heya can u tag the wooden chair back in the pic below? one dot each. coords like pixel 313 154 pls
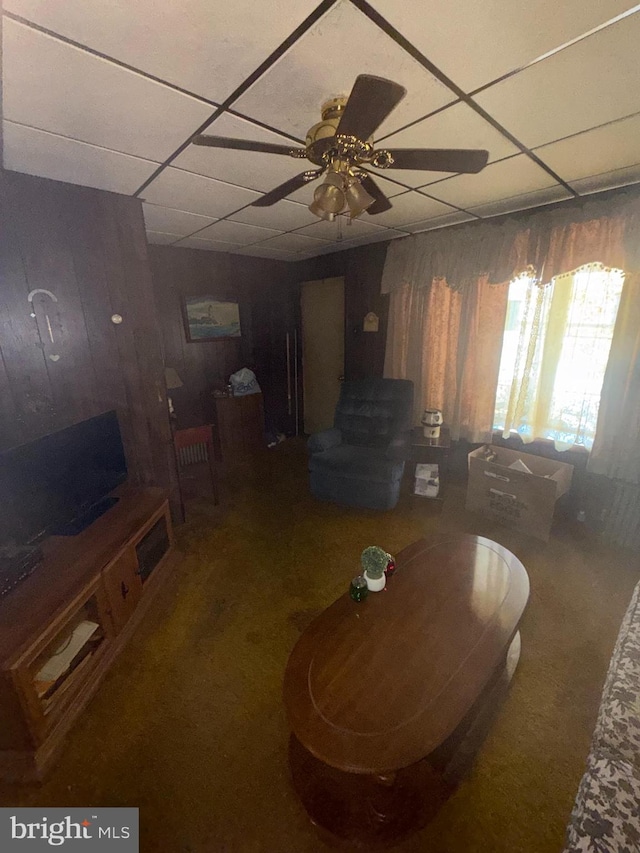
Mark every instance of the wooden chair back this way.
pixel 194 445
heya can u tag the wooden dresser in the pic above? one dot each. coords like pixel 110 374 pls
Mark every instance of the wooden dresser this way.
pixel 240 427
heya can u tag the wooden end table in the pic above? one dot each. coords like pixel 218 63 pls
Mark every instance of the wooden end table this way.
pixel 382 695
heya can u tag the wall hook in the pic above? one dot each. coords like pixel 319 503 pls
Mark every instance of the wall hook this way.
pixel 53 298
pixel 48 293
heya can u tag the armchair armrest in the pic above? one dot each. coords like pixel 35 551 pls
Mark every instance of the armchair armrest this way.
pixel 398 448
pixel 324 440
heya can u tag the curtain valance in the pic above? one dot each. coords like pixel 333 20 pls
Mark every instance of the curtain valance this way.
pixel 552 242
pixel 458 256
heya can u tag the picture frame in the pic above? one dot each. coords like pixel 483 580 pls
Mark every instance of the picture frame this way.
pixel 207 319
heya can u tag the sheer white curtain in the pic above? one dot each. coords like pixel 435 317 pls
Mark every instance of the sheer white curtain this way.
pixel 555 350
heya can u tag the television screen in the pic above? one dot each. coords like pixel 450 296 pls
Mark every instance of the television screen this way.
pixel 48 483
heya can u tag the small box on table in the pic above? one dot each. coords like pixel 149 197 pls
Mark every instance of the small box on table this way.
pixel 427 482
pixel 520 499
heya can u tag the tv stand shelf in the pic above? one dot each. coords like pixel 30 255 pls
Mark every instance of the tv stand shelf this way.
pixel 64 625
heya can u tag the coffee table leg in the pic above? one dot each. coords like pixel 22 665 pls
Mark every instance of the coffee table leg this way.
pixel 367 811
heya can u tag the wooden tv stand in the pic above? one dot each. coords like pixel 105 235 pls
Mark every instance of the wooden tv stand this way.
pixel 63 626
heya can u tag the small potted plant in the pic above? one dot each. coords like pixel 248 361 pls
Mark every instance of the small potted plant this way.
pixel 374 562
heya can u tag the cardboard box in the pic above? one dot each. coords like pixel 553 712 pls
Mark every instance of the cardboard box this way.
pixel 523 501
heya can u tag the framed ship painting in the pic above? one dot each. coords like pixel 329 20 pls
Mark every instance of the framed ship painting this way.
pixel 208 319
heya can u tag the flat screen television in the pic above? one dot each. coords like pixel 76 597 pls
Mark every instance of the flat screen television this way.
pixel 60 483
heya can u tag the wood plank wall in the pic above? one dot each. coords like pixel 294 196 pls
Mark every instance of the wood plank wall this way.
pixel 89 248
pixel 262 289
pixel 268 293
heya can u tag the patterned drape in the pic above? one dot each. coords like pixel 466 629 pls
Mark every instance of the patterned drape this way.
pixel 616 449
pixel 448 343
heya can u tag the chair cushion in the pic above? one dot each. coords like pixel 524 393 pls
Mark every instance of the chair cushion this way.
pixel 365 463
pixel 371 412
pixel 605 815
pixel 321 441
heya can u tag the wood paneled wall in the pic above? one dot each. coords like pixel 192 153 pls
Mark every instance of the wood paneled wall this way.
pixel 268 293
pixel 71 362
pixel 362 271
pixel 262 289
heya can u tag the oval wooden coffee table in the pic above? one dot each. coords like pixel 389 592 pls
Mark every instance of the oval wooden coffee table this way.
pixel 386 697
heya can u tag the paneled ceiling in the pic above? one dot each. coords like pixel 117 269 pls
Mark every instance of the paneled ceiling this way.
pixel 109 93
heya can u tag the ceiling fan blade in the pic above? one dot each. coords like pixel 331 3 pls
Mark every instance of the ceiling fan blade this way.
pixel 247 145
pixel 381 202
pixel 370 102
pixel 287 188
pixel 466 160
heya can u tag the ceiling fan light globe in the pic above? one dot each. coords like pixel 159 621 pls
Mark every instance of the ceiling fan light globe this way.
pixel 358 199
pixel 334 179
pixel 315 208
pixel 329 198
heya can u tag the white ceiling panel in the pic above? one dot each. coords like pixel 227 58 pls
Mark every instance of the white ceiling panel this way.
pixel 160 238
pixel 457 126
pixel 603 149
pixel 235 232
pixel 522 202
pixel 592 82
pixel 324 64
pixel 283 216
pixel 293 243
pixel 206 245
pixel 76 116
pixel 438 222
pixel 410 207
pixel 195 194
pixel 246 168
pixel 475 42
pixel 514 176
pixel 48 155
pixel 53 86
pixel 608 180
pixel 203 46
pixel 172 221
pixel 348 228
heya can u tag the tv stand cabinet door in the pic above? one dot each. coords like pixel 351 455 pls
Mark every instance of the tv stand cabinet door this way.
pixel 123 587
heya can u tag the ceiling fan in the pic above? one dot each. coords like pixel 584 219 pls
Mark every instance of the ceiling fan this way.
pixel 341 145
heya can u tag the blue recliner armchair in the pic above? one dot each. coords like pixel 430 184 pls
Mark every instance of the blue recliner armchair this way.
pixel 360 461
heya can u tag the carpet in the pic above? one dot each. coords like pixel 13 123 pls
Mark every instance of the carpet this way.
pixel 189 724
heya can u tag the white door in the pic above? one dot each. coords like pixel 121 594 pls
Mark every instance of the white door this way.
pixel 322 308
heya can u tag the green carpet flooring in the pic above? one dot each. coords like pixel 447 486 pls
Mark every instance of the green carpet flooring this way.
pixel 189 723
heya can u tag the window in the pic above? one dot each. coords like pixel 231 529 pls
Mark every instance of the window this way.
pixel 554 354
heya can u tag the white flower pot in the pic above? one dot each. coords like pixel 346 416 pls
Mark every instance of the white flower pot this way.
pixel 376 584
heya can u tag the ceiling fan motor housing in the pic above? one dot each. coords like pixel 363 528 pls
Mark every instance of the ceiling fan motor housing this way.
pixel 321 137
